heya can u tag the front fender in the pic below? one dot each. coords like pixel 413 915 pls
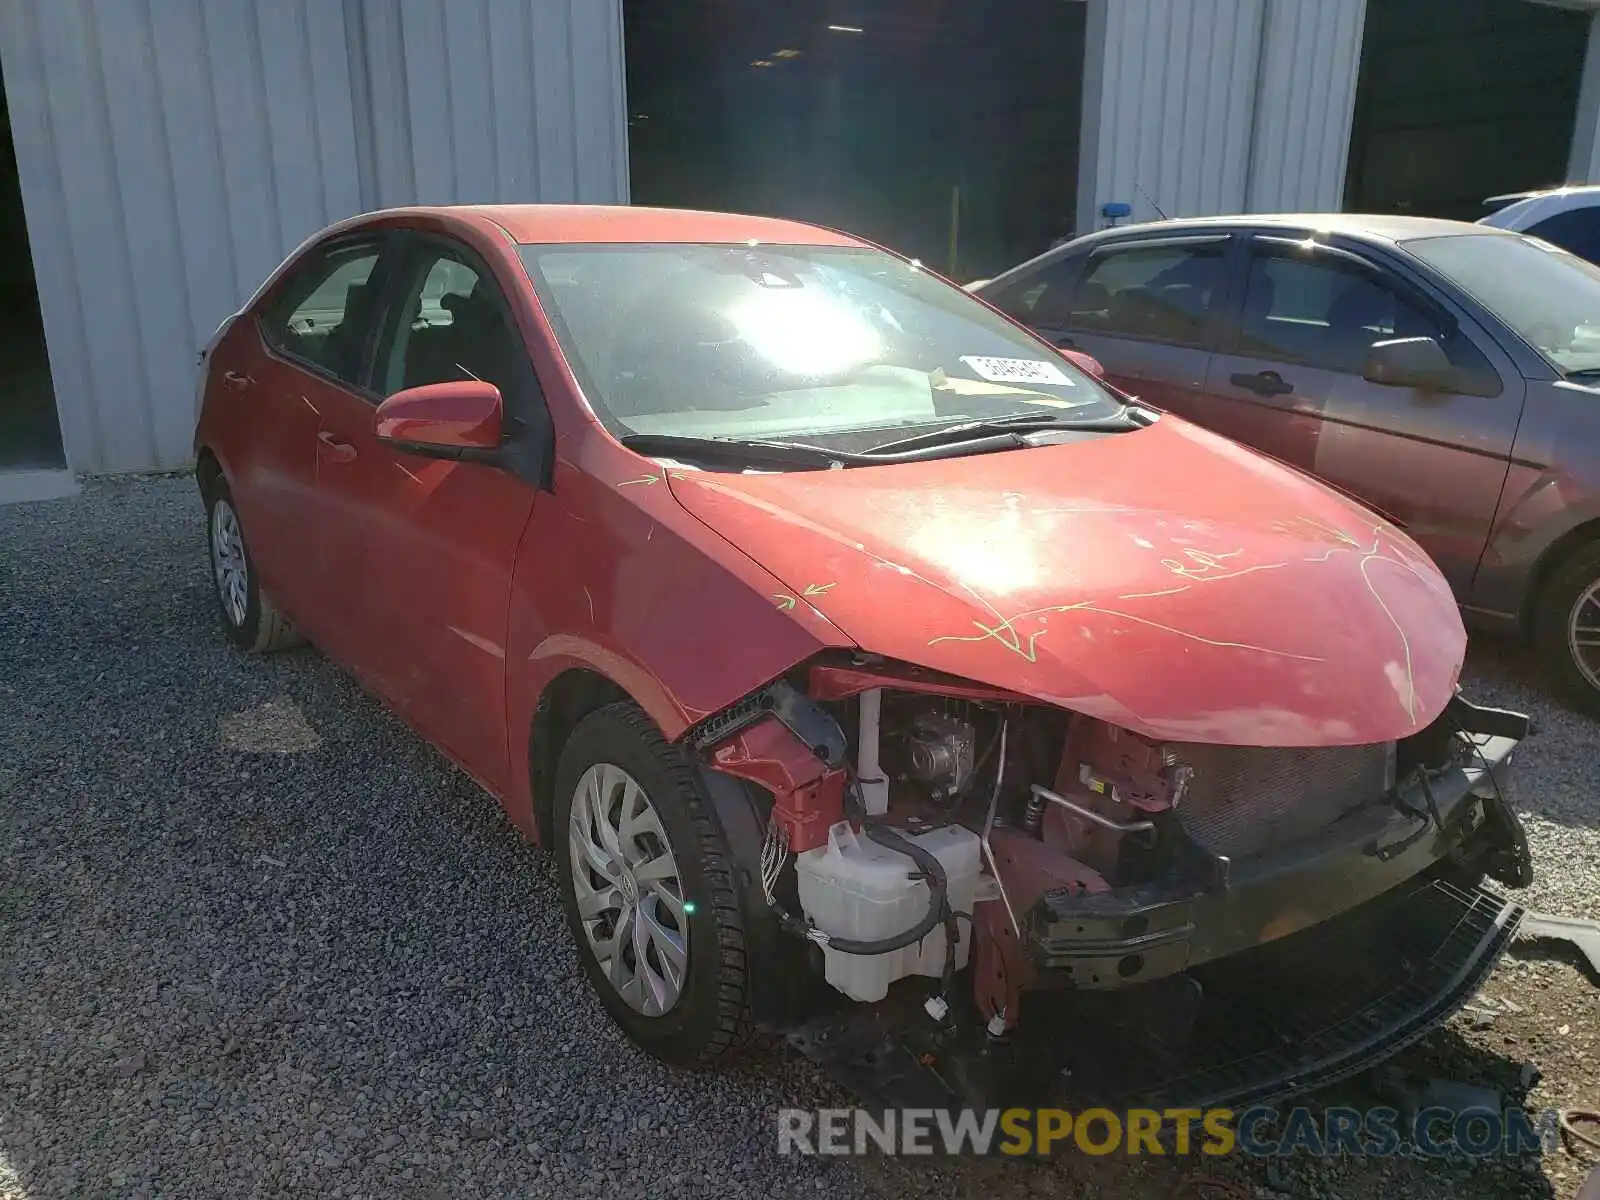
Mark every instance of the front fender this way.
pixel 615 578
pixel 1543 513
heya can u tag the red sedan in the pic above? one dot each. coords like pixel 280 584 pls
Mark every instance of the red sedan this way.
pixel 831 629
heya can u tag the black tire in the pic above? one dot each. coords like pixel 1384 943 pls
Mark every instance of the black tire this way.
pixel 711 1016
pixel 1558 603
pixel 261 627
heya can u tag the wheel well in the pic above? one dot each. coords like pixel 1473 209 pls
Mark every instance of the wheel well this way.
pixel 567 699
pixel 1563 548
pixel 207 470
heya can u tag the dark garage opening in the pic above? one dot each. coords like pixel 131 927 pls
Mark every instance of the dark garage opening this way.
pixel 1462 101
pixel 943 129
pixel 30 434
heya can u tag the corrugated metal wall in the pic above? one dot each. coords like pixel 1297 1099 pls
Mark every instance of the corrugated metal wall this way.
pixel 490 99
pixel 1216 106
pixel 1167 105
pixel 172 151
pixel 1583 164
pixel 1310 61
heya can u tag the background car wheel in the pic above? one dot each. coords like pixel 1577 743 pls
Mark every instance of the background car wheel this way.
pixel 1568 628
pixel 650 889
pixel 248 614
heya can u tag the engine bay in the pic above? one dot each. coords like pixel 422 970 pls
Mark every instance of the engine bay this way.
pixel 924 828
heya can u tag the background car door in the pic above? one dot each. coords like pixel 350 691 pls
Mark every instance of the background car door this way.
pixel 1289 381
pixel 306 355
pixel 428 545
pixel 1143 307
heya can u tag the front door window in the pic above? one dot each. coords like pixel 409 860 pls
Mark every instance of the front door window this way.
pixel 452 326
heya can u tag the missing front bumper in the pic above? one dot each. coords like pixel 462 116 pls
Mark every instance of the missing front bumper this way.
pixel 1134 935
pixel 1283 1019
pixel 1290 1016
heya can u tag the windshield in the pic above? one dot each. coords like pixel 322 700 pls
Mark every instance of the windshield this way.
pixel 833 345
pixel 1549 297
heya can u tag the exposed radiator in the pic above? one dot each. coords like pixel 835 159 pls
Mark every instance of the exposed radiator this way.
pixel 1246 799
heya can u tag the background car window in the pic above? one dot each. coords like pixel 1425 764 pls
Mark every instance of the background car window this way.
pixel 452 326
pixel 1042 297
pixel 1163 293
pixel 1327 313
pixel 324 312
pixel 1549 297
pixel 1577 230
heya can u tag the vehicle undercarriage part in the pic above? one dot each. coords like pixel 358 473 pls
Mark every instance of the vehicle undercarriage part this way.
pixel 1104 873
pixel 1285 1018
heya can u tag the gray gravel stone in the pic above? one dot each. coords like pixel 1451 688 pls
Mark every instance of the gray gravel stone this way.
pixel 337 966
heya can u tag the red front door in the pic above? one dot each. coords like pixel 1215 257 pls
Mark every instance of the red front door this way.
pixel 421 550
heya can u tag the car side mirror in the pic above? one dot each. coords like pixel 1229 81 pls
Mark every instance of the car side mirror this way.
pixel 1415 362
pixel 1087 363
pixel 460 420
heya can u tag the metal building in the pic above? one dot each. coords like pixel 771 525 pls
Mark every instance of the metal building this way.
pixel 170 152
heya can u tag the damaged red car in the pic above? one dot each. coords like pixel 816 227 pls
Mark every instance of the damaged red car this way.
pixel 872 672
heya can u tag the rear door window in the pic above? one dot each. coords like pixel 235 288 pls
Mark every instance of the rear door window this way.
pixel 1164 292
pixel 1043 297
pixel 322 312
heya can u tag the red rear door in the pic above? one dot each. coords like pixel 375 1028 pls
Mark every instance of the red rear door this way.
pixel 266 433
pixel 316 332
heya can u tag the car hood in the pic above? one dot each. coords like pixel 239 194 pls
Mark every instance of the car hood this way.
pixel 1168 581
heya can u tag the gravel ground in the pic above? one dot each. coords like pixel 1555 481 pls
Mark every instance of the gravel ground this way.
pixel 255 938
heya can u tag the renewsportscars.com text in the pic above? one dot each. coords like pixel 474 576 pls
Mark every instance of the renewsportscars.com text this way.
pixel 1258 1132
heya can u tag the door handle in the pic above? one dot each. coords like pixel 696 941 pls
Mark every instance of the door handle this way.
pixel 235 381
pixel 1262 383
pixel 335 449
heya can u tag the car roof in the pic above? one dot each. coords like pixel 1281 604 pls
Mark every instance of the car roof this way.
pixel 1566 189
pixel 1372 227
pixel 558 223
pixel 1530 208
pixel 1368 226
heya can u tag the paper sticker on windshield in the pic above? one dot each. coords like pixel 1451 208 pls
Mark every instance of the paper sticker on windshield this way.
pixel 1017 370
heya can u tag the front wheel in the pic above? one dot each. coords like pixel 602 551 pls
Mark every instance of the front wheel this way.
pixel 1568 628
pixel 250 618
pixel 650 889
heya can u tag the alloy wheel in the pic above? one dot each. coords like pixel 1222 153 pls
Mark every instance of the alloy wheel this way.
pixel 228 561
pixel 628 889
pixel 1583 634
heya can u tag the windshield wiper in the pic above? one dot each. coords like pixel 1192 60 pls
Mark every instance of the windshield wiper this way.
pixel 787 454
pixel 1015 425
pixel 1583 373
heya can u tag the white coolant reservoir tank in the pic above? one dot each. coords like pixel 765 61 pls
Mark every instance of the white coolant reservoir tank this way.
pixel 855 888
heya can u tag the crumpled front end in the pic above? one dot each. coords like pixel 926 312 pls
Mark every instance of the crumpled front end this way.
pixel 999 892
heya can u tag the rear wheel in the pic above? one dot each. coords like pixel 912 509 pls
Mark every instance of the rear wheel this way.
pixel 248 614
pixel 650 889
pixel 1568 628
